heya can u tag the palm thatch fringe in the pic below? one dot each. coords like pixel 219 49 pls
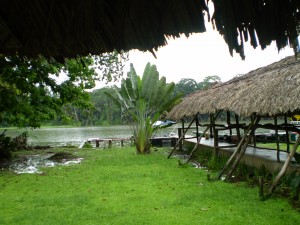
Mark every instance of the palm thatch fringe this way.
pixel 67 28
pixel 268 91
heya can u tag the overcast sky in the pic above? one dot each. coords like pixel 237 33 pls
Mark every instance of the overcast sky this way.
pixel 203 55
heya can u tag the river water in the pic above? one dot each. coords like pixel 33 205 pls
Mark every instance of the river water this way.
pixel 63 136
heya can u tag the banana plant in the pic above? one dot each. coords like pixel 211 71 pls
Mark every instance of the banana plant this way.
pixel 143 101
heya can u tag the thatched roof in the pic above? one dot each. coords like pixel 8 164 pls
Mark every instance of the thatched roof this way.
pixel 68 28
pixel 65 28
pixel 267 91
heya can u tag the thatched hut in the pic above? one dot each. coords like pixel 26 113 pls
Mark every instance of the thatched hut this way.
pixel 67 28
pixel 269 91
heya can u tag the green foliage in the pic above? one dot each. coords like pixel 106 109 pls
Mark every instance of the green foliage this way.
pixel 32 90
pixel 8 144
pixel 143 101
pixel 187 86
pixel 209 81
pixel 105 112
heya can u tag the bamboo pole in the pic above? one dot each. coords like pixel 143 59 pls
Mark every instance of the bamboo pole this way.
pixel 285 166
pixel 237 150
pixel 277 140
pixel 180 138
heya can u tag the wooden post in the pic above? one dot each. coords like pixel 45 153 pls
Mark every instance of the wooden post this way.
pixel 180 138
pixel 215 132
pixel 122 142
pixel 243 148
pixel 109 143
pixel 253 136
pixel 285 166
pixel 211 127
pixel 237 150
pixel 277 140
pixel 197 128
pixel 287 136
pixel 237 127
pixel 261 187
pixel 183 134
pixel 229 122
pixel 97 143
pixel 216 139
pixel 202 135
pixel 198 142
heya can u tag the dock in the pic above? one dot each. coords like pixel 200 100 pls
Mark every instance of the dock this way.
pixel 155 141
pixel 106 141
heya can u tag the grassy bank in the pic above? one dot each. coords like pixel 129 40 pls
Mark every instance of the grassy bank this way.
pixel 116 186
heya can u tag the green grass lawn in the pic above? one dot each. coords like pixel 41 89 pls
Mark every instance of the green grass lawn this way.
pixel 116 186
pixel 282 146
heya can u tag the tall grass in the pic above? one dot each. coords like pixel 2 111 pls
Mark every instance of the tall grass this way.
pixel 116 186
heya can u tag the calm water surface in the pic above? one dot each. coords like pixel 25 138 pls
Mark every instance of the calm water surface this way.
pixel 73 136
pixel 76 135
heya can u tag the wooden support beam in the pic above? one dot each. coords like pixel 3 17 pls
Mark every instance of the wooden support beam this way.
pixel 287 136
pixel 216 143
pixel 109 143
pixel 277 139
pixel 183 134
pixel 211 127
pixel 243 147
pixel 261 186
pixel 197 144
pixel 237 150
pixel 237 122
pixel 228 122
pixel 202 135
pixel 180 138
pixel 197 128
pixel 285 166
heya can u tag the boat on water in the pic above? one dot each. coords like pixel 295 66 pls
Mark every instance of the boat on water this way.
pixel 163 124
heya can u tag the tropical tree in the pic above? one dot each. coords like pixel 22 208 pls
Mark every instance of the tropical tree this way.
pixel 209 81
pixel 105 111
pixel 31 91
pixel 143 101
pixel 186 86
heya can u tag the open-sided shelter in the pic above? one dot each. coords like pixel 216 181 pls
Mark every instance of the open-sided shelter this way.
pixel 270 91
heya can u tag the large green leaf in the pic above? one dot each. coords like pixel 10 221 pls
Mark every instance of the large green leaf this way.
pixel 143 101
